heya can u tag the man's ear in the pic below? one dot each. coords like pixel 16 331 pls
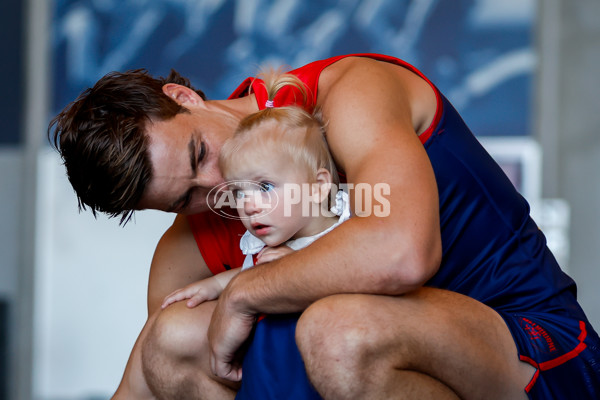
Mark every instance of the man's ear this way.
pixel 183 95
pixel 322 187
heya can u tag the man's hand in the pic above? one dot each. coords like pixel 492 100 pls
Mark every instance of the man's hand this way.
pixel 229 328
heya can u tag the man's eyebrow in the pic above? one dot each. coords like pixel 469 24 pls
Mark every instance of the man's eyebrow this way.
pixel 194 166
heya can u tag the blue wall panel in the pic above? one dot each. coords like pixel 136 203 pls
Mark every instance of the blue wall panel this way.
pixel 479 52
pixel 11 71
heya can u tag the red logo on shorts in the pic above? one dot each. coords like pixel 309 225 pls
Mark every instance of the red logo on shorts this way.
pixel 536 332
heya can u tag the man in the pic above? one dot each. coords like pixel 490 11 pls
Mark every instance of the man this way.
pixel 453 294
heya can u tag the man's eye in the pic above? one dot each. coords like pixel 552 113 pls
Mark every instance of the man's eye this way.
pixel 201 152
pixel 238 194
pixel 266 186
pixel 186 201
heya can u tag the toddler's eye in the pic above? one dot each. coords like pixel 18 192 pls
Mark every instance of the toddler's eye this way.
pixel 266 186
pixel 239 194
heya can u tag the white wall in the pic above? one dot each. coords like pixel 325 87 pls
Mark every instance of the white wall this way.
pixel 11 188
pixel 11 167
pixel 578 143
pixel 91 278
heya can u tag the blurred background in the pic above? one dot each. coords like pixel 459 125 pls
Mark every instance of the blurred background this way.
pixel 523 73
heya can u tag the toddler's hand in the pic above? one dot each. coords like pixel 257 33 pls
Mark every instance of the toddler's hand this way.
pixel 272 253
pixel 196 293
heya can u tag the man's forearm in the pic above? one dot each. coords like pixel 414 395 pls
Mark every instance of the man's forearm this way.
pixel 357 265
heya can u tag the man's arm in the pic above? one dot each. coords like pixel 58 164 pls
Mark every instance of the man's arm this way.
pixel 176 263
pixel 372 135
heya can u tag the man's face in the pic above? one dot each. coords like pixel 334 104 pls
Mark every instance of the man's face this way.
pixel 184 153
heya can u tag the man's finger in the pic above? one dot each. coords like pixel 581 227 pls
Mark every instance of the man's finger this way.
pixel 226 370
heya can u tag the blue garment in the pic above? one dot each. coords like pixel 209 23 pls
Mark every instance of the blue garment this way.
pixel 493 252
pixel 272 367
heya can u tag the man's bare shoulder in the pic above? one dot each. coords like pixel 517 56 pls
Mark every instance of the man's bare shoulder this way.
pixel 178 236
pixel 343 73
pixel 362 83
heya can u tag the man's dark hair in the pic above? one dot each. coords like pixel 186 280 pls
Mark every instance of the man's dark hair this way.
pixel 102 142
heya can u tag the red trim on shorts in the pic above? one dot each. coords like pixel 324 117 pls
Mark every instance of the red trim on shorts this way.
pixel 546 365
pixel 534 377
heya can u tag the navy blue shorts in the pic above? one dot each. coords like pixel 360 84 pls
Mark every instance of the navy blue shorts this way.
pixel 564 351
pixel 272 368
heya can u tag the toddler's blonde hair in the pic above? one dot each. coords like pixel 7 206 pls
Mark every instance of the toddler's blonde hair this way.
pixel 290 131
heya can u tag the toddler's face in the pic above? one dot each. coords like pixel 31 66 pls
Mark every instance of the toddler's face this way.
pixel 273 198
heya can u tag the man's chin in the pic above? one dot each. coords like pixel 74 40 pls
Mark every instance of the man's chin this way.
pixel 197 209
